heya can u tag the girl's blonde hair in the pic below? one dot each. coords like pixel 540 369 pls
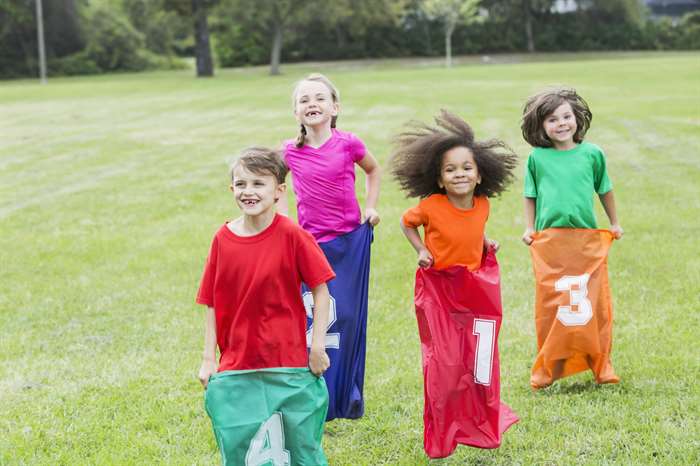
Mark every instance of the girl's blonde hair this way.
pixel 335 95
pixel 539 106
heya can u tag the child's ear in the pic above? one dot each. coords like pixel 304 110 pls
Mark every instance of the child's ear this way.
pixel 281 189
pixel 336 109
pixel 230 187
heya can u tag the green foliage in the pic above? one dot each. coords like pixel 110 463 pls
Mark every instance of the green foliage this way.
pixel 72 65
pixel 163 29
pixel 690 27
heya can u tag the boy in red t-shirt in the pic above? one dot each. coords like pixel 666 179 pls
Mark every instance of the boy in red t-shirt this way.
pixel 252 279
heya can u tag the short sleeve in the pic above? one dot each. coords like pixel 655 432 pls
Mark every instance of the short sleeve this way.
pixel 356 148
pixel 311 262
pixel 205 295
pixel 530 177
pixel 414 217
pixel 601 181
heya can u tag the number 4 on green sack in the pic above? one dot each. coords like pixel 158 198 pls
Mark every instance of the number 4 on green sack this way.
pixel 267 446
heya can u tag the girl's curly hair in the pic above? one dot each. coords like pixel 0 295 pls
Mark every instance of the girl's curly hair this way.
pixel 539 106
pixel 417 159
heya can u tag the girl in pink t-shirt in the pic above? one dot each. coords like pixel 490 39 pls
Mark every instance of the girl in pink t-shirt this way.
pixel 322 161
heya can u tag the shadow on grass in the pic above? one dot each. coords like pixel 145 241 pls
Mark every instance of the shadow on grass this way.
pixel 577 388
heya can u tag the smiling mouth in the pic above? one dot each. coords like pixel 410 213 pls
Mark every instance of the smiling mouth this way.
pixel 312 114
pixel 249 202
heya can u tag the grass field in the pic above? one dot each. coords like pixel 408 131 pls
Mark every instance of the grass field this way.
pixel 111 188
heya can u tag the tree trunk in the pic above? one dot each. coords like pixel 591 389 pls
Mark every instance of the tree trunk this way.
pixel 428 42
pixel 202 50
pixel 449 29
pixel 527 13
pixel 276 48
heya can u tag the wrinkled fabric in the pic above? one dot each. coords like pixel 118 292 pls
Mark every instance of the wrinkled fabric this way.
pixel 573 306
pixel 266 414
pixel 349 256
pixel 459 317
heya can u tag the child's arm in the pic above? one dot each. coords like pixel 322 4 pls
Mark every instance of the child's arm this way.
pixel 374 173
pixel 608 201
pixel 425 259
pixel 529 220
pixel 318 359
pixel 209 365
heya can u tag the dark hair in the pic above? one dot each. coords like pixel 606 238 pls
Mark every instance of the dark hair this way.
pixel 335 95
pixel 417 159
pixel 539 106
pixel 261 161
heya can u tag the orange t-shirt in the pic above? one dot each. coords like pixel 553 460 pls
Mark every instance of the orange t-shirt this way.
pixel 453 236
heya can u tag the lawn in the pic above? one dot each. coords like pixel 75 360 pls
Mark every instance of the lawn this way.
pixel 111 188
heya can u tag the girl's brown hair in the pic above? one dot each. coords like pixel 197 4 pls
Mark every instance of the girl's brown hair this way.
pixel 539 106
pixel 335 95
pixel 417 159
pixel 261 161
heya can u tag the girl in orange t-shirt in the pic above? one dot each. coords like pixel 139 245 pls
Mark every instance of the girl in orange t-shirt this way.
pixel 454 175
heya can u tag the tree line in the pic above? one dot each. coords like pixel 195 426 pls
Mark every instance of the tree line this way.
pixel 96 36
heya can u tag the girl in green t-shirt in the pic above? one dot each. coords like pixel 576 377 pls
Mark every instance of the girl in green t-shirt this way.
pixel 573 310
pixel 563 171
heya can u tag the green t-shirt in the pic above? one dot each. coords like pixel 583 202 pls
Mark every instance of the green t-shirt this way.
pixel 563 182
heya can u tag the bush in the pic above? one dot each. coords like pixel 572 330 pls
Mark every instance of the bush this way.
pixel 113 43
pixel 74 64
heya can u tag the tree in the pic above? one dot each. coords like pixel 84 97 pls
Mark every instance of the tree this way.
pixel 198 11
pixel 275 17
pixel 450 13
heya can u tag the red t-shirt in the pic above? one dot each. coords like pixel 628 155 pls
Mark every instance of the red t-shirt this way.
pixel 254 285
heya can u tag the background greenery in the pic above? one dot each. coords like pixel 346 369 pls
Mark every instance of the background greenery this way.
pixel 95 36
pixel 111 188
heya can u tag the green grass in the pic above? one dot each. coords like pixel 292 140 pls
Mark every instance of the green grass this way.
pixel 111 188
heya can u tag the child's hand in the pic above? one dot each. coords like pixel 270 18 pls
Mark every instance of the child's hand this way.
pixel 207 368
pixel 372 216
pixel 527 236
pixel 425 259
pixel 617 231
pixel 318 361
pixel 491 243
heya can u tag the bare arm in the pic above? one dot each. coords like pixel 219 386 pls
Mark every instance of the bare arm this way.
pixel 374 173
pixel 425 259
pixel 318 359
pixel 209 364
pixel 608 201
pixel 529 220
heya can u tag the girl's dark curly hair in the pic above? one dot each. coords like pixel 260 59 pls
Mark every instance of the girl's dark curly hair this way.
pixel 417 159
pixel 539 106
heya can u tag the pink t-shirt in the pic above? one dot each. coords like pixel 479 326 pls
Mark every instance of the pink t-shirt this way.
pixel 324 183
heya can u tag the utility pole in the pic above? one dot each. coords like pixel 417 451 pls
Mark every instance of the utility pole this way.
pixel 40 34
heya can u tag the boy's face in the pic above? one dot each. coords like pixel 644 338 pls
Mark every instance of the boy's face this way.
pixel 255 194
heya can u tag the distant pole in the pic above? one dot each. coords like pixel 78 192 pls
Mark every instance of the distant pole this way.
pixel 40 34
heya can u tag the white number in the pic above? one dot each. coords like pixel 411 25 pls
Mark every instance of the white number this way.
pixel 485 331
pixel 577 297
pixel 332 339
pixel 268 444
